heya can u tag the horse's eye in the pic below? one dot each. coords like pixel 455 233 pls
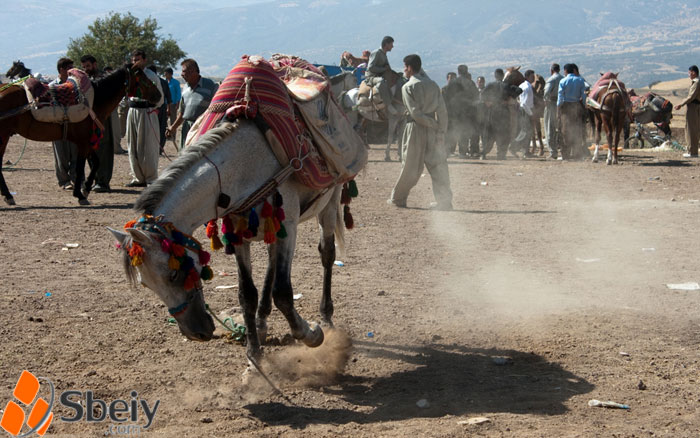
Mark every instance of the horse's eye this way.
pixel 173 276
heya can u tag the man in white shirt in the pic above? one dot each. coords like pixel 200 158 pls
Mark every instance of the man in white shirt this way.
pixel 526 102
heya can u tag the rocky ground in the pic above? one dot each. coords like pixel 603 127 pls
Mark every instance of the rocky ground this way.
pixel 545 288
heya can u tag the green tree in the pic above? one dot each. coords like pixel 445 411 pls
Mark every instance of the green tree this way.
pixel 112 39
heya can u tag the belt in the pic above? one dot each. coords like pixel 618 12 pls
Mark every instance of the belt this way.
pixel 140 104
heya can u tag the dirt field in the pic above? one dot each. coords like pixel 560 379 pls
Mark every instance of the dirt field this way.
pixel 544 289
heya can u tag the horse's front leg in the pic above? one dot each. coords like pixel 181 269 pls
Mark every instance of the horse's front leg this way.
pixel 282 293
pixel 94 162
pixel 328 220
pixel 4 190
pixel 248 297
pixel 79 179
pixel 265 303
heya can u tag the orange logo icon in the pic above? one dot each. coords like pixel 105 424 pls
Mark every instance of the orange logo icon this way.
pixel 40 416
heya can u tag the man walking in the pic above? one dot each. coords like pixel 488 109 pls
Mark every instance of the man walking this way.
pixel 423 137
pixel 142 130
pixel 377 69
pixel 175 94
pixel 196 96
pixel 551 90
pixel 111 137
pixel 65 153
pixel 571 98
pixel 692 114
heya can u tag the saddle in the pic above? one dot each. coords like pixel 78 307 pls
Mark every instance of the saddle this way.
pixel 68 102
pixel 294 124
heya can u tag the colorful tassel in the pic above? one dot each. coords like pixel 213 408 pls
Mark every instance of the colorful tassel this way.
pixel 173 264
pixel 352 189
pixel 282 233
pixel 177 249
pixel 165 245
pixel 266 210
pixel 130 224
pixel 204 258
pixel 269 229
pixel 186 264
pixel 136 253
pixel 347 218
pixel 213 235
pixel 206 274
pixel 345 195
pixel 253 222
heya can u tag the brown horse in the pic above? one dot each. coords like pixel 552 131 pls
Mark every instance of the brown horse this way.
pixel 15 118
pixel 610 115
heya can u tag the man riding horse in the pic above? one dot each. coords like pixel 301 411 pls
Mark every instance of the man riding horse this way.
pixel 379 73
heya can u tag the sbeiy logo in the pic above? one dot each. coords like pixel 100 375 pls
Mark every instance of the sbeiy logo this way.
pixel 40 415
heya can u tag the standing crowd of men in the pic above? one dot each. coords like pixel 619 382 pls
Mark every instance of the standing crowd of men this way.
pixel 146 126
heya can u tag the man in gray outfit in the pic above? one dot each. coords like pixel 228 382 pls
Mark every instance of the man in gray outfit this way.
pixel 377 68
pixel 551 90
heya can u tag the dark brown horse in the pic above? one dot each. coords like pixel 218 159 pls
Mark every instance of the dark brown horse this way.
pixel 15 118
pixel 18 70
pixel 610 115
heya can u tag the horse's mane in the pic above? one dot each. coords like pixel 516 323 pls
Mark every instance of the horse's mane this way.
pixel 152 196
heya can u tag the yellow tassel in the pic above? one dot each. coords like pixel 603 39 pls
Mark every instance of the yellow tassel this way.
pixel 136 260
pixel 216 243
pixel 269 225
pixel 173 264
pixel 241 225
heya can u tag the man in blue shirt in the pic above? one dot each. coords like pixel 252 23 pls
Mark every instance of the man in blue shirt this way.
pixel 175 94
pixel 570 103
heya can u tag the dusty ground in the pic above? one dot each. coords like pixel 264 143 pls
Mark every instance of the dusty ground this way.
pixel 555 268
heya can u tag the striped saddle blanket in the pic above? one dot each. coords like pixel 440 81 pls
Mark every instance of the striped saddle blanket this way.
pixel 69 101
pixel 302 118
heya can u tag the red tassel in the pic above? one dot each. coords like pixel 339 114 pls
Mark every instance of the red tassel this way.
pixel 204 258
pixel 345 195
pixel 347 218
pixel 227 225
pixel 212 228
pixel 178 250
pixel 266 210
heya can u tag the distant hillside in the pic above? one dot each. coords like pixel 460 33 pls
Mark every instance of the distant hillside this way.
pixel 643 41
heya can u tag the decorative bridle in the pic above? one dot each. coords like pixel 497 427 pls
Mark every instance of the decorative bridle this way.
pixel 177 244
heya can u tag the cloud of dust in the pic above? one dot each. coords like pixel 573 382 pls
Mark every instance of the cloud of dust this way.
pixel 300 366
pixel 584 253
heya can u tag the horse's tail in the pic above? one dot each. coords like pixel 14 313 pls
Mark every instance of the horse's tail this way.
pixel 339 233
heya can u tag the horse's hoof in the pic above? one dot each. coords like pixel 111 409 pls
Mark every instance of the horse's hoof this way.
pixel 315 336
pixel 387 158
pixel 608 162
pixel 85 193
pixel 594 160
pixel 9 200
pixel 83 201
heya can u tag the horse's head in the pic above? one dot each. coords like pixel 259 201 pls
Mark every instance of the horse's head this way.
pixel 154 258
pixel 513 76
pixel 140 85
pixel 17 67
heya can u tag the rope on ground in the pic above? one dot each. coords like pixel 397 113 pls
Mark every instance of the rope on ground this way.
pixel 11 164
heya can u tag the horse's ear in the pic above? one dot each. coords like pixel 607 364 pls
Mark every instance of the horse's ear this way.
pixel 119 235
pixel 518 67
pixel 616 74
pixel 140 236
pixel 601 73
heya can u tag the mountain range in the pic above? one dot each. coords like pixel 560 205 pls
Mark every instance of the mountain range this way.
pixel 645 40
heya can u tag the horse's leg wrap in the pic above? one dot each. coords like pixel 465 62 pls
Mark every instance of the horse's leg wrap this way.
pixel 248 297
pixel 326 248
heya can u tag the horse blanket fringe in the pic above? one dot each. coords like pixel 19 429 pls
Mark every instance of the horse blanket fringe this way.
pixel 71 101
pixel 256 88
